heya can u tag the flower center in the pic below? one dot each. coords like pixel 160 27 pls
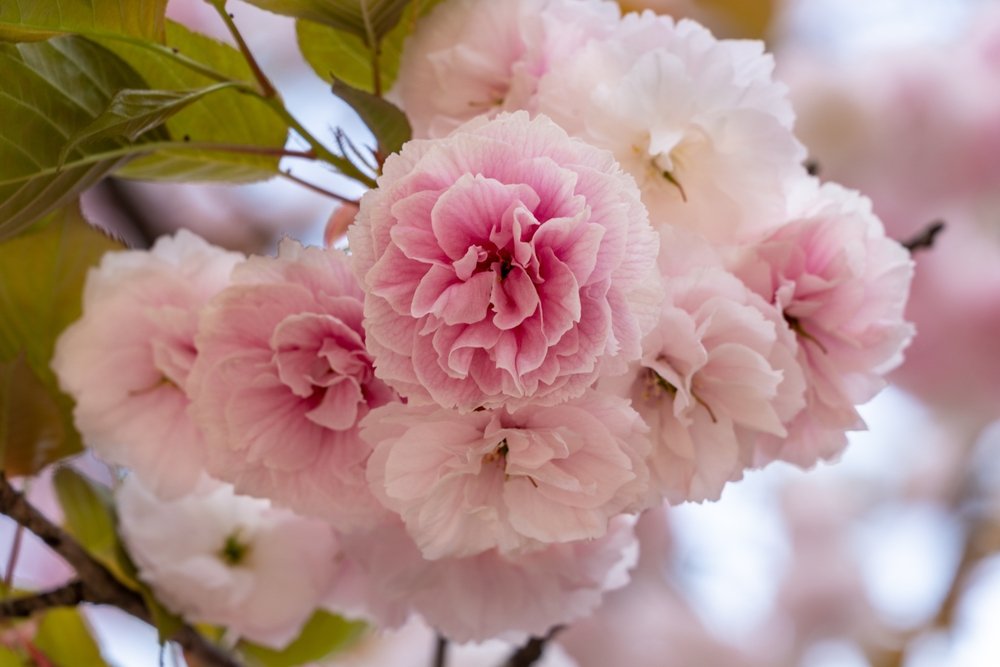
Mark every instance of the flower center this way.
pixel 498 455
pixel 234 551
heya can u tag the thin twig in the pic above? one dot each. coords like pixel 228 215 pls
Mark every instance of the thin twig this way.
pixel 98 584
pixel 345 144
pixel 530 653
pixel 924 239
pixel 15 552
pixel 343 165
pixel 316 188
pixel 440 652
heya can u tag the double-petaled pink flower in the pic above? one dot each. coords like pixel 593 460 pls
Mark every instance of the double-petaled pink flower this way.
pixel 282 379
pixel 841 285
pixel 506 264
pixel 467 483
pixel 126 361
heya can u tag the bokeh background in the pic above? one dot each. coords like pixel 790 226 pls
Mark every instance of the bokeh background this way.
pixel 889 557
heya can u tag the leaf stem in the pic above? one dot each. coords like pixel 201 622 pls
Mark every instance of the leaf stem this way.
pixel 140 149
pixel 173 54
pixel 267 89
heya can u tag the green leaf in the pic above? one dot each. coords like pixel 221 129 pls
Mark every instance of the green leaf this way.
pixel 41 281
pixel 65 638
pixel 225 117
pixel 11 658
pixel 386 121
pixel 49 91
pixel 333 53
pixel 324 634
pixel 41 284
pixel 368 19
pixel 132 113
pixel 29 20
pixel 90 518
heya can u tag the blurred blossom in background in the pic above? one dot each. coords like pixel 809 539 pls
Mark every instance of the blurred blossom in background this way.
pixel 886 558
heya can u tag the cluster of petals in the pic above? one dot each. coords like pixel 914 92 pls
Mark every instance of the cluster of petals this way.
pixel 215 557
pixel 282 378
pixel 473 57
pixel 487 595
pixel 504 265
pixel 512 359
pixel 717 372
pixel 126 361
pixel 699 122
pixel 841 284
pixel 510 481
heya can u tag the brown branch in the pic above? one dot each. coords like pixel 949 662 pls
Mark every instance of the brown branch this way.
pixel 69 595
pixel 98 584
pixel 531 652
pixel 924 239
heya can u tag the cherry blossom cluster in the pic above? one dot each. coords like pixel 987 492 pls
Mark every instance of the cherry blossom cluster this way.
pixel 597 279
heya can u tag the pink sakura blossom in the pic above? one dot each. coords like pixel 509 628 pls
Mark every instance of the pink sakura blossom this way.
pixel 718 371
pixel 467 483
pixel 126 361
pixel 699 122
pixel 281 381
pixel 484 596
pixel 504 265
pixel 841 285
pixel 473 57
pixel 216 557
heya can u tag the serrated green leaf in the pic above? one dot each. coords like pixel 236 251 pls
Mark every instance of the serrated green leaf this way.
pixel 66 640
pixel 41 281
pixel 133 113
pixel 322 636
pixel 48 92
pixel 226 117
pixel 337 54
pixel 41 284
pixel 368 19
pixel 90 518
pixel 386 121
pixel 29 20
